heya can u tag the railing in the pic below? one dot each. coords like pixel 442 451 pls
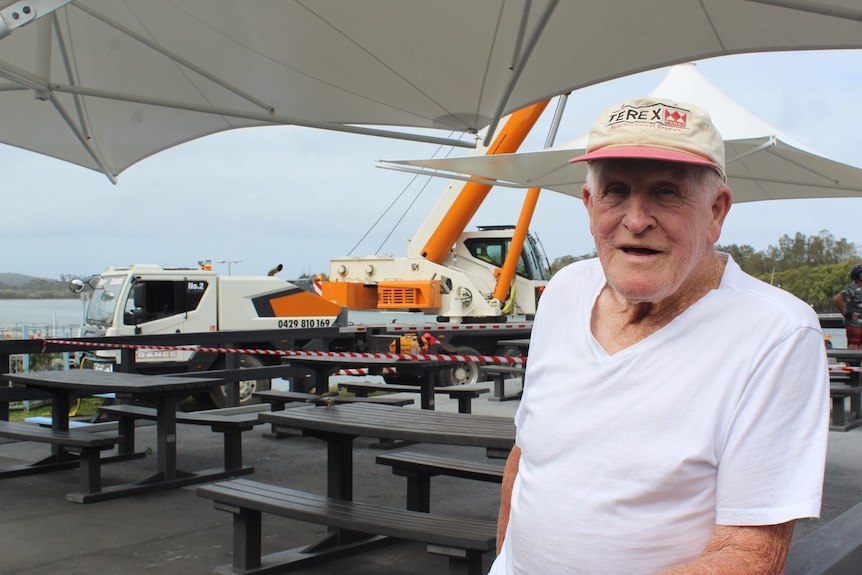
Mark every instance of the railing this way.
pixel 37 331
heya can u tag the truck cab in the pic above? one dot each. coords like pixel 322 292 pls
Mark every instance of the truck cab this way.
pixel 145 298
pixel 151 300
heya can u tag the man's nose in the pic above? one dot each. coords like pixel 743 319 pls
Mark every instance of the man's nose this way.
pixel 638 215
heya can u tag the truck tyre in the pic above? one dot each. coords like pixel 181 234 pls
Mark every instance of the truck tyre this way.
pixel 463 373
pixel 246 387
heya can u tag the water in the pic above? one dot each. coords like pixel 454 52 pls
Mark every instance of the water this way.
pixel 46 316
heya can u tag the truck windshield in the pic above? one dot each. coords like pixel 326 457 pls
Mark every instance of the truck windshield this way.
pixel 533 253
pixel 103 302
pixel 101 308
pixel 494 250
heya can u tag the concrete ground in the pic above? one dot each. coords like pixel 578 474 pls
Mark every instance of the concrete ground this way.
pixel 177 533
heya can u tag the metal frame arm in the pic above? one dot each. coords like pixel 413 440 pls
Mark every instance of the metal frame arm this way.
pixel 26 11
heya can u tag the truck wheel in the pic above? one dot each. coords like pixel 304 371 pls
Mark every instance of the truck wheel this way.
pixel 246 387
pixel 463 373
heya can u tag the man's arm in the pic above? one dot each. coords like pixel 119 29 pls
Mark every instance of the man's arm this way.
pixel 509 474
pixel 839 303
pixel 738 550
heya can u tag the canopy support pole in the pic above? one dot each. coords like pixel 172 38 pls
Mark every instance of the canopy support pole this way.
pixel 519 68
pixel 258 116
pixel 23 12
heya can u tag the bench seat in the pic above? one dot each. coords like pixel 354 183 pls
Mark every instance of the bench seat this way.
pixel 464 541
pixel 463 393
pixel 86 445
pixel 90 426
pixel 419 468
pixel 230 422
pixel 278 398
pixel 47 421
pixel 839 416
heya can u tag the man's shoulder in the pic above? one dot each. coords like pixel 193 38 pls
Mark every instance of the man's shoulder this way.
pixel 581 277
pixel 770 297
pixel 581 268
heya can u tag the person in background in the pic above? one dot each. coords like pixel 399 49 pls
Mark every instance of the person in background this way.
pixel 849 304
pixel 676 415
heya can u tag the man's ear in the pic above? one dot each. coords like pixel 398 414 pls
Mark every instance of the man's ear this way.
pixel 720 207
pixel 587 197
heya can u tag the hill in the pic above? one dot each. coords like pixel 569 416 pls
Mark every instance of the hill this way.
pixel 20 286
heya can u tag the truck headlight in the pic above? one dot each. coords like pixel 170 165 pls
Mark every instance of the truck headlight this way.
pixel 103 366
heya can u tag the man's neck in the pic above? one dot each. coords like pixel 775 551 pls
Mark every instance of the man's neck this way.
pixel 618 323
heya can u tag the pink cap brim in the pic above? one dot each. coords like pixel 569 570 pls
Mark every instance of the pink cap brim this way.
pixel 643 153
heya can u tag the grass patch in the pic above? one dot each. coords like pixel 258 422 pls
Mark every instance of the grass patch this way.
pixel 86 408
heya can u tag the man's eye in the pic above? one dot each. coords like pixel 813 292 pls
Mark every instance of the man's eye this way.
pixel 666 192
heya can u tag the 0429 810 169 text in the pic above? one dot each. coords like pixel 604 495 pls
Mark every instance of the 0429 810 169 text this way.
pixel 293 323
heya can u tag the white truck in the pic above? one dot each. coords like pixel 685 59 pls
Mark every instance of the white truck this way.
pixel 150 299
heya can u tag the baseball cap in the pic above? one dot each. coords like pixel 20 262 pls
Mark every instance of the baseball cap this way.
pixel 656 129
pixel 856 272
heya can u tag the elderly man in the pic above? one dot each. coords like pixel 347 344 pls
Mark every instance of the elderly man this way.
pixel 675 414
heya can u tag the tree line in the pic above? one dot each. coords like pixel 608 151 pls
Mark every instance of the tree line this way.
pixel 813 268
pixel 12 287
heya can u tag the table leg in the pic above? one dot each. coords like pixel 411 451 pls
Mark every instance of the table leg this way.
pixel 321 377
pixel 339 472
pixel 232 361
pixel 426 394
pixel 166 424
pixel 60 404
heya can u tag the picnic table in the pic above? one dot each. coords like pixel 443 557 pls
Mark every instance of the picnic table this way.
pixel 851 357
pixel 355 527
pixel 339 425
pixel 324 366
pixel 162 391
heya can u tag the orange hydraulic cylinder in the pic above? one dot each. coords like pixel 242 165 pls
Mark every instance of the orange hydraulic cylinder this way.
pixel 473 194
pixel 504 280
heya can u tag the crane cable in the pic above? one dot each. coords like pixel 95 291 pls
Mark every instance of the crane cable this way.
pixel 397 198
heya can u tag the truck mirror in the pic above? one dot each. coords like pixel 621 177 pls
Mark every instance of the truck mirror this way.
pixel 76 286
pixel 107 295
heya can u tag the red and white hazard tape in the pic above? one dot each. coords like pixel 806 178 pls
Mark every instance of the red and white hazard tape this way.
pixel 362 371
pixel 297 353
pixel 844 368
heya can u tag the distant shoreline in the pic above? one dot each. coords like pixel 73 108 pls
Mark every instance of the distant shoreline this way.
pixel 38 296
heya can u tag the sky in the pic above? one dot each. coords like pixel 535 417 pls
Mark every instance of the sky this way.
pixel 299 197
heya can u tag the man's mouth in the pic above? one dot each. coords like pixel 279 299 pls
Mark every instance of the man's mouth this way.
pixel 639 251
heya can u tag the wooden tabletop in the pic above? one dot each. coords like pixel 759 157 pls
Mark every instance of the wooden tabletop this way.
pixel 848 355
pixel 110 381
pixel 400 423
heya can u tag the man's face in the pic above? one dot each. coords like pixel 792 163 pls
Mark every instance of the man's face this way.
pixel 654 225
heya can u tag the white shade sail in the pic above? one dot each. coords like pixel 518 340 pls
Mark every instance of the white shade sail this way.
pixel 762 163
pixel 104 84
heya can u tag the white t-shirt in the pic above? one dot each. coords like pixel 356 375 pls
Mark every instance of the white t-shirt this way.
pixel 629 460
